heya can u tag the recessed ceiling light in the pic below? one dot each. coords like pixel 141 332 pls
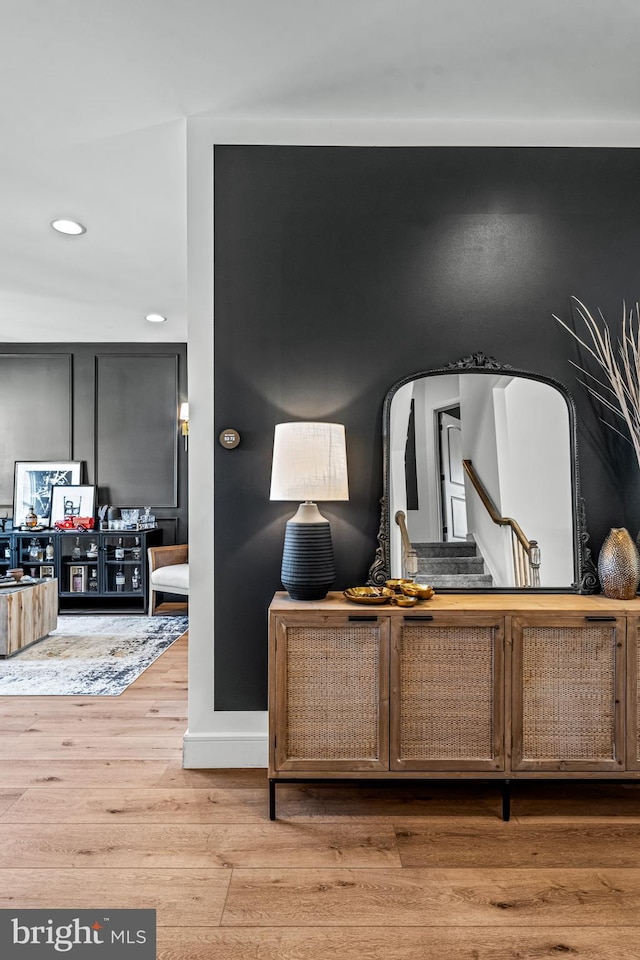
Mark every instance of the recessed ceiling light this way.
pixel 71 227
pixel 155 318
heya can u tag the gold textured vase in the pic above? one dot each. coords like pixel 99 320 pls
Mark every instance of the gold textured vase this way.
pixel 619 565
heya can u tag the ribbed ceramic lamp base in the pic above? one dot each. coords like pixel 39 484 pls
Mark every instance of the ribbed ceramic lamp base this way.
pixel 308 568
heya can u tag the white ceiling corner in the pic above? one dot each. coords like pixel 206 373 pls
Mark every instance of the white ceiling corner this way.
pixel 96 97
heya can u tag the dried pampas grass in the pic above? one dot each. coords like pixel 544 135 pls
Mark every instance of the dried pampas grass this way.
pixel 619 390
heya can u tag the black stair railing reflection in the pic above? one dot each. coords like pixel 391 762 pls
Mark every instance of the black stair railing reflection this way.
pixel 525 553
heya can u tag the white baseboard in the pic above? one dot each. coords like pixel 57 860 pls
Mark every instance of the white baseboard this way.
pixel 211 750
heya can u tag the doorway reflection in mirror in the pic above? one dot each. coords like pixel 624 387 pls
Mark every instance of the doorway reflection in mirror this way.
pixel 462 443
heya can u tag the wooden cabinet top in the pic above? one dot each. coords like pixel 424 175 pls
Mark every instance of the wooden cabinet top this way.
pixel 504 603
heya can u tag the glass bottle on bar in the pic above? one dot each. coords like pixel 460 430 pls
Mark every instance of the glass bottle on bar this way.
pixel 136 550
pixel 49 549
pixel 7 551
pixel 75 553
pixel 135 579
pixel 93 579
pixel 119 551
pixel 120 580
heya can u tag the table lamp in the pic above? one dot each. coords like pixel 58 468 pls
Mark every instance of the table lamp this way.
pixel 309 463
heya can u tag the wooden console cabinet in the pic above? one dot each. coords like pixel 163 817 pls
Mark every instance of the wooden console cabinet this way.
pixel 491 686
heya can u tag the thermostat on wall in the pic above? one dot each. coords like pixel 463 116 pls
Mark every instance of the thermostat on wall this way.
pixel 229 438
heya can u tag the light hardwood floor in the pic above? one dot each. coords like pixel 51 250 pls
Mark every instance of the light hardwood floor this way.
pixel 96 811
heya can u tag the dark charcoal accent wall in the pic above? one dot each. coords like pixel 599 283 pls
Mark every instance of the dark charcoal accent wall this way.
pixel 113 406
pixel 35 400
pixel 137 396
pixel 340 270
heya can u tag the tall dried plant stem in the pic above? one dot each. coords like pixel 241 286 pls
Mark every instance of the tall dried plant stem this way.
pixel 619 391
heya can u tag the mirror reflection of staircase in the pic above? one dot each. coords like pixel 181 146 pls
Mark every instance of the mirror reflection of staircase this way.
pixel 458 564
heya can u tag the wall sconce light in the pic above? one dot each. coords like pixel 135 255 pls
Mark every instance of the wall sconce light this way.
pixel 183 416
pixel 309 463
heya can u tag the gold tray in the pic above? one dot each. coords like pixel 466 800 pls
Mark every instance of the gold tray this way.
pixel 369 594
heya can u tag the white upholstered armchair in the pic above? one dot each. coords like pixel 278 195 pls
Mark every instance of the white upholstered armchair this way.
pixel 168 572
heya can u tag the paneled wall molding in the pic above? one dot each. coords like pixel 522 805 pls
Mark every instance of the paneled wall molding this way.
pixel 37 388
pixel 112 406
pixel 136 407
pixel 168 524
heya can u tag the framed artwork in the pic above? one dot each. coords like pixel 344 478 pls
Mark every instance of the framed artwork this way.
pixel 33 482
pixel 71 500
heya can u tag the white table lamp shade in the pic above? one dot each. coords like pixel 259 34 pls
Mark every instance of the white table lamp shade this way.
pixel 309 462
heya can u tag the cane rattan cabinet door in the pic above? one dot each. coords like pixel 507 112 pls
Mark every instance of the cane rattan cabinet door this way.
pixel 633 693
pixel 568 692
pixel 447 692
pixel 329 693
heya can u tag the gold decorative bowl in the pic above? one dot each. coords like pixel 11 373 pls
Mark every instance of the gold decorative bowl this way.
pixel 369 594
pixel 398 584
pixel 421 591
pixel 402 600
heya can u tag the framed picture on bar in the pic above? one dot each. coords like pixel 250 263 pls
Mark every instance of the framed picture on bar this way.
pixel 33 482
pixel 71 500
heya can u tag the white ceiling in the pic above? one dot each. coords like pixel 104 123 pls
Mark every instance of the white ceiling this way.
pixel 95 95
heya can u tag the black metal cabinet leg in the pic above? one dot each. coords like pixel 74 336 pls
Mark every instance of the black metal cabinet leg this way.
pixel 506 800
pixel 272 799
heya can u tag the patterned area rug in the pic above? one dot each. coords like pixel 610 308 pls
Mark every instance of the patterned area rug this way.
pixel 89 656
